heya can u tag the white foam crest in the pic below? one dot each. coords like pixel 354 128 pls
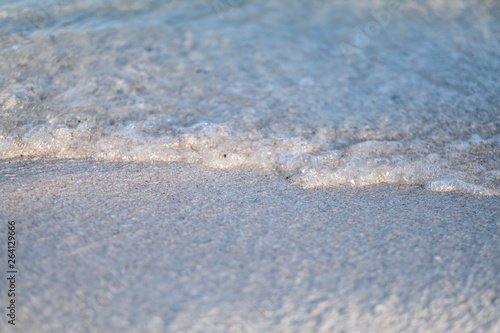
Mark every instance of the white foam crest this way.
pixel 458 185
pixel 311 163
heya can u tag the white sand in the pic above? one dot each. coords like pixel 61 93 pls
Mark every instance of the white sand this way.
pixel 166 247
pixel 179 248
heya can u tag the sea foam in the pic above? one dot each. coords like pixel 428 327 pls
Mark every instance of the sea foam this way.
pixel 174 82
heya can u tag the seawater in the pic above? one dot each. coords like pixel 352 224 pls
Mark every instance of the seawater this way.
pixel 262 84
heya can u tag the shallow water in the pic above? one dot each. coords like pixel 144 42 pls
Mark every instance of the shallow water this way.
pixel 262 84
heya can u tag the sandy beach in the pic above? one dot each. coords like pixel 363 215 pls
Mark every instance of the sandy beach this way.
pixel 250 166
pixel 107 247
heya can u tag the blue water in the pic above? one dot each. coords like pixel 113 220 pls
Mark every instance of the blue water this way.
pixel 327 93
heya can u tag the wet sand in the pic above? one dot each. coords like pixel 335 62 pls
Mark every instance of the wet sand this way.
pixel 134 247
